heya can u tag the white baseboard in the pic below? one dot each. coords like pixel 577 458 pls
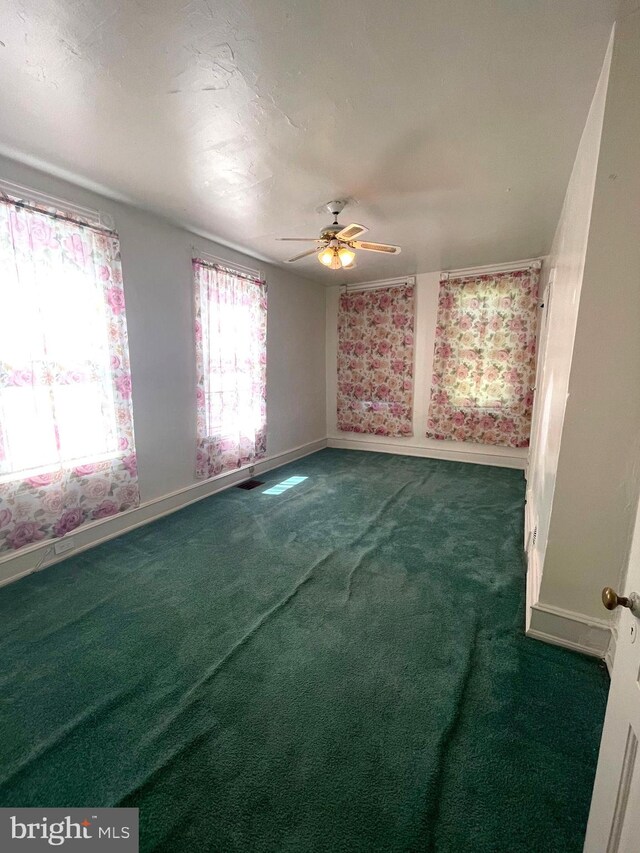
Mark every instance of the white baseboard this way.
pixel 513 459
pixel 611 651
pixel 569 630
pixel 529 521
pixel 37 557
pixel 532 584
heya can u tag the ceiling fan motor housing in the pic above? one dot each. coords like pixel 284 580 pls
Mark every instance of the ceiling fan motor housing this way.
pixel 330 231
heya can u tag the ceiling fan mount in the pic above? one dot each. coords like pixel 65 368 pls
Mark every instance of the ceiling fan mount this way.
pixel 336 247
pixel 335 208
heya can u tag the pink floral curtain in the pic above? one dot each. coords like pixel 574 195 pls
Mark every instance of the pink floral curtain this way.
pixel 67 451
pixel 484 359
pixel 375 361
pixel 231 362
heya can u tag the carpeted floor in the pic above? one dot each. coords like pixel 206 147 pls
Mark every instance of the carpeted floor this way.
pixel 339 667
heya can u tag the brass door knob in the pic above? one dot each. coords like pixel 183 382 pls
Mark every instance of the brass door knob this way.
pixel 611 599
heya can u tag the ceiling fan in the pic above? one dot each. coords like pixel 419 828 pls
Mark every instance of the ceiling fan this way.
pixel 335 248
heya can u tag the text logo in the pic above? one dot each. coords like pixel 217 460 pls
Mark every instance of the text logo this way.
pixel 78 830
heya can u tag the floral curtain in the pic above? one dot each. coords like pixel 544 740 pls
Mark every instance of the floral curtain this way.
pixel 484 359
pixel 375 361
pixel 67 451
pixel 231 363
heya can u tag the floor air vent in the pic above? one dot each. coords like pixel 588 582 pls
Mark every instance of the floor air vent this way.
pixel 250 484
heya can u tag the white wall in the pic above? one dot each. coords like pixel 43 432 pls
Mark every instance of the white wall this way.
pixel 156 262
pixel 427 286
pixel 598 467
pixel 565 265
pixel 597 476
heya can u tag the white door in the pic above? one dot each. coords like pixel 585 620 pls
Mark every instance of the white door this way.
pixel 614 820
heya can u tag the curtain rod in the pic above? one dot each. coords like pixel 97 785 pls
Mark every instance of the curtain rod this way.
pixel 215 259
pixel 29 196
pixel 374 285
pixel 225 268
pixel 529 263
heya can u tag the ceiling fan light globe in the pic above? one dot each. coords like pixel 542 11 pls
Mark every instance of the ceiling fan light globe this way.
pixel 325 256
pixel 346 256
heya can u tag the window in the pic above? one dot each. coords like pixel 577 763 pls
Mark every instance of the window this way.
pixel 231 334
pixel 484 359
pixel 375 361
pixel 67 452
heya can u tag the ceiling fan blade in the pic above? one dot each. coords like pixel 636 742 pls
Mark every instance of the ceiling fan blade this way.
pixel 302 255
pixel 350 232
pixel 299 239
pixel 384 248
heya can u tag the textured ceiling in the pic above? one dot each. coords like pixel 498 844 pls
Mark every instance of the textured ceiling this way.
pixel 453 125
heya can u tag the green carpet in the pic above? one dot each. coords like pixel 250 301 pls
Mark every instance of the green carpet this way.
pixel 339 667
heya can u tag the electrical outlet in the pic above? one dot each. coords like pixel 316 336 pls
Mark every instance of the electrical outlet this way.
pixel 64 545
